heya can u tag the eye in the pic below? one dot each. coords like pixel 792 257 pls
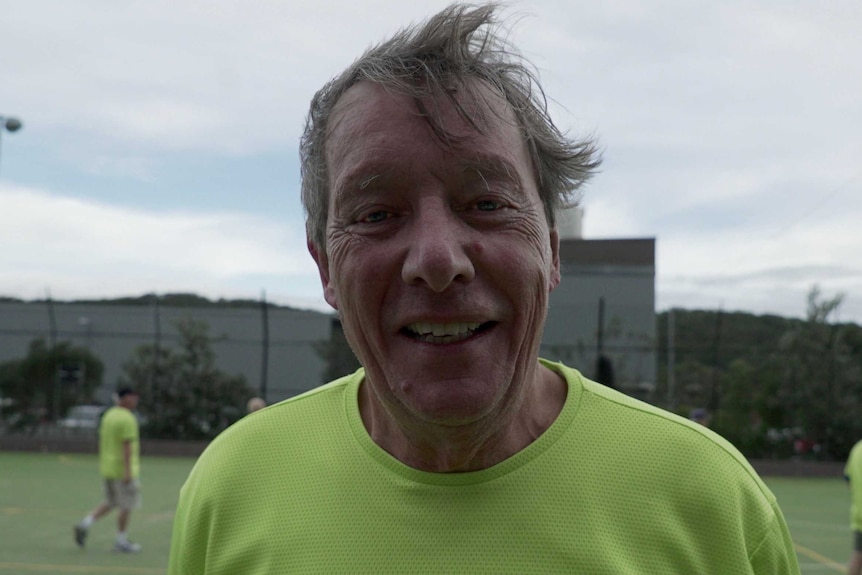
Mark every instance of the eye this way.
pixel 376 217
pixel 488 205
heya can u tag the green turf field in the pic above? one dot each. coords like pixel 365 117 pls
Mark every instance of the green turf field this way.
pixel 43 495
pixel 818 513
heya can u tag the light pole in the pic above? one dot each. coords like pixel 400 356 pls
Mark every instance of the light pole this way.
pixel 9 123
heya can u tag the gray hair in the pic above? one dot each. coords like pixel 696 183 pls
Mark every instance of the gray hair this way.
pixel 453 48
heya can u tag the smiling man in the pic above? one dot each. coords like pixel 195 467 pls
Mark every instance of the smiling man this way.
pixel 431 176
pixel 439 257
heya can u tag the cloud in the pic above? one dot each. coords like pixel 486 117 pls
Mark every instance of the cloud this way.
pixel 84 247
pixel 218 76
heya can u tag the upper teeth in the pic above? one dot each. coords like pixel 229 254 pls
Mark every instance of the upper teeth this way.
pixel 442 329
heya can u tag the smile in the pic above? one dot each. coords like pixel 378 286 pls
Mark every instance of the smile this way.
pixel 440 333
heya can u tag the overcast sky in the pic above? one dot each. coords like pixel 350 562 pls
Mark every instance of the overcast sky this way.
pixel 159 147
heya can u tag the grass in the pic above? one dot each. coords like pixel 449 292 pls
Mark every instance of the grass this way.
pixel 818 514
pixel 43 495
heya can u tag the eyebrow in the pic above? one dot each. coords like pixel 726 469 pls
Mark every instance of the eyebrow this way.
pixel 494 167
pixel 359 179
pixel 365 182
pixel 361 176
pixel 487 166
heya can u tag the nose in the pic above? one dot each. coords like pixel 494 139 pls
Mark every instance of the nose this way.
pixel 436 255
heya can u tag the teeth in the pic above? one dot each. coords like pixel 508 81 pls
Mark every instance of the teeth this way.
pixel 442 332
pixel 442 329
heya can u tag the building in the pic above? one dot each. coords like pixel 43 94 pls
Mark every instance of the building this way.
pixel 604 308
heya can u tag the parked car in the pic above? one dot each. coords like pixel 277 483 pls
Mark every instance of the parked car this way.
pixel 82 417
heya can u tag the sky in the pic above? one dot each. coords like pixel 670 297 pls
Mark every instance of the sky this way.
pixel 158 152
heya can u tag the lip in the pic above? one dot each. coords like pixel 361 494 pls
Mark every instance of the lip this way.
pixel 443 333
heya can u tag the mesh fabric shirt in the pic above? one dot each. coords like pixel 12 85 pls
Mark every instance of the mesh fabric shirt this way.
pixel 853 472
pixel 613 486
pixel 118 425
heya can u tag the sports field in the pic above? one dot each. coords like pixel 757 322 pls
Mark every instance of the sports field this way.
pixel 43 495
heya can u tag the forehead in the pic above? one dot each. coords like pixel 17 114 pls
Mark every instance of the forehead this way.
pixel 369 119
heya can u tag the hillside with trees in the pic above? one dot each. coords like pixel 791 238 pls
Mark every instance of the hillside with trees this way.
pixel 776 387
pixel 166 300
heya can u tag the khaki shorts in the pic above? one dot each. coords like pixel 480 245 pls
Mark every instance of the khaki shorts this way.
pixel 124 495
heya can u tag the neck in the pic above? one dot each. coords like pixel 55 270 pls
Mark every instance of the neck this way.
pixel 478 445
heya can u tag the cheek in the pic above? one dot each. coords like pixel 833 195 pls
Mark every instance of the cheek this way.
pixel 528 262
pixel 361 274
pixel 343 264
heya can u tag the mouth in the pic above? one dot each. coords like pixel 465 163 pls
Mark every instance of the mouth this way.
pixel 442 333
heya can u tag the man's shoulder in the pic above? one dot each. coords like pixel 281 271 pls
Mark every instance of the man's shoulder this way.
pixel 288 424
pixel 323 397
pixel 673 459
pixel 114 414
pixel 277 444
pixel 646 433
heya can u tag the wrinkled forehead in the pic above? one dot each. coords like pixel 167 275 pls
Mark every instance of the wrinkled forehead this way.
pixel 458 112
pixel 374 128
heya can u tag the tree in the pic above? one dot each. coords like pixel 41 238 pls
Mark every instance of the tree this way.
pixel 183 394
pixel 47 382
pixel 822 383
pixel 750 406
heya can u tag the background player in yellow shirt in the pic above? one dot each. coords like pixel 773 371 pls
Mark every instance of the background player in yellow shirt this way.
pixel 119 465
pixel 853 474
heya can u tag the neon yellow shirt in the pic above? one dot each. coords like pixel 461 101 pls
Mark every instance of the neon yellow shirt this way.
pixel 118 426
pixel 614 486
pixel 853 472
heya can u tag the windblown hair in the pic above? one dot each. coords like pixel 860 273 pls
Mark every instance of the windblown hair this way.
pixel 444 57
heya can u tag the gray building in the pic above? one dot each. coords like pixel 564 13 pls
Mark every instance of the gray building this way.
pixel 288 365
pixel 605 306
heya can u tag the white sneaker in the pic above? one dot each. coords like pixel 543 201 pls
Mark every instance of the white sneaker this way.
pixel 126 546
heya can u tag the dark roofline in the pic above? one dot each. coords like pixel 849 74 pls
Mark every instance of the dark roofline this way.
pixel 617 252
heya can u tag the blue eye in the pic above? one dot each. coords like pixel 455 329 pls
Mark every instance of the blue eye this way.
pixel 375 217
pixel 487 205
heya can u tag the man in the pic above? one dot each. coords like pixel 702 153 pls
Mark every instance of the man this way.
pixel 853 475
pixel 119 463
pixel 431 176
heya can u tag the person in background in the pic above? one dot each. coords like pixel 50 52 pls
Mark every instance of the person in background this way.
pixel 431 178
pixel 119 464
pixel 853 475
pixel 700 415
pixel 254 404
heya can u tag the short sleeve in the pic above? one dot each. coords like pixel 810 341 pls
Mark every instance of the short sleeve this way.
pixel 776 554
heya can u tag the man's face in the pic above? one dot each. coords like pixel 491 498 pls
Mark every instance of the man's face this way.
pixel 438 257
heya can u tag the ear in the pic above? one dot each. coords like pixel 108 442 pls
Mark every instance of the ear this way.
pixel 555 277
pixel 322 261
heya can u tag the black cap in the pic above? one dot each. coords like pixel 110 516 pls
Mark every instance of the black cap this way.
pixel 124 391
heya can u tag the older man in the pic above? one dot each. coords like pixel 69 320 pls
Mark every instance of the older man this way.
pixel 431 176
